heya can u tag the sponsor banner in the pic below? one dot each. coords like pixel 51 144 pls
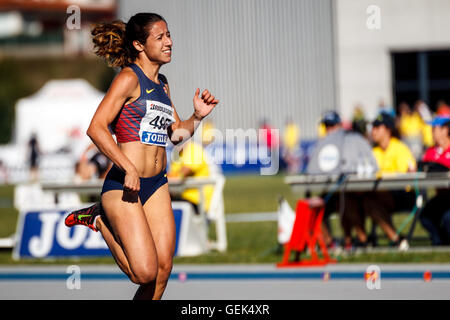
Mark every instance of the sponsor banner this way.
pixel 43 234
pixel 178 217
pixel 249 157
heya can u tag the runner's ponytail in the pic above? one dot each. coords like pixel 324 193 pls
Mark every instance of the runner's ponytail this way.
pixel 109 43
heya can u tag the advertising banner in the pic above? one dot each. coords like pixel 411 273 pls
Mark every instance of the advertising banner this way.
pixel 43 234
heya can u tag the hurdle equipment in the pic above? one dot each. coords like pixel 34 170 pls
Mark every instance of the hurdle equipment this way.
pixel 306 234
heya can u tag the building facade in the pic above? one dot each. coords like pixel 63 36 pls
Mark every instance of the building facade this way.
pixel 391 50
pixel 264 59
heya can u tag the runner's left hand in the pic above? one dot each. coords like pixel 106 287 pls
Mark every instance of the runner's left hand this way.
pixel 204 104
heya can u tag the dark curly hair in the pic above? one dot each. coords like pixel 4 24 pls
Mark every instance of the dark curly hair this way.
pixel 113 41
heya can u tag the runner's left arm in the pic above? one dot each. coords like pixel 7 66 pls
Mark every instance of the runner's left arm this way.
pixel 180 130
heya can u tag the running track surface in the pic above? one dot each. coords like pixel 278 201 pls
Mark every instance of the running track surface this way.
pixel 231 282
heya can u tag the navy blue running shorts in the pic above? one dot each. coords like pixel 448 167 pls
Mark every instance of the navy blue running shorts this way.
pixel 115 178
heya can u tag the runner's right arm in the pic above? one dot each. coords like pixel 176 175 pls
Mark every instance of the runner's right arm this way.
pixel 125 87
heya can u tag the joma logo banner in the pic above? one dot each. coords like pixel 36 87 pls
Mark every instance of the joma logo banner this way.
pixel 43 234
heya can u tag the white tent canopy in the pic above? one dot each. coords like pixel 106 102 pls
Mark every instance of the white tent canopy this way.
pixel 59 114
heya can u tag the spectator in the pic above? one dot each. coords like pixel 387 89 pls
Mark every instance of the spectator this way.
pixel 192 162
pixel 392 156
pixel 359 122
pixel 268 138
pixel 291 143
pixel 424 111
pixel 411 128
pixel 34 153
pixel 435 216
pixel 92 164
pixel 442 108
pixel 207 132
pixel 384 108
pixel 268 135
pixel 331 123
pixel 341 152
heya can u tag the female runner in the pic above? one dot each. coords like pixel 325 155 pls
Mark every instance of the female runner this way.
pixel 135 216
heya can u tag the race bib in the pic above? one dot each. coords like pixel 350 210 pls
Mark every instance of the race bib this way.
pixel 153 129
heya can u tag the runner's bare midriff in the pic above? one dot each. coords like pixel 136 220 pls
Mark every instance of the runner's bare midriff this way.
pixel 149 160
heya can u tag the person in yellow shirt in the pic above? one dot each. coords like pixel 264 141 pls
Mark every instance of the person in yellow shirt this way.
pixel 414 130
pixel 192 162
pixel 427 135
pixel 392 156
pixel 207 132
pixel 410 122
pixel 291 146
pixel 291 136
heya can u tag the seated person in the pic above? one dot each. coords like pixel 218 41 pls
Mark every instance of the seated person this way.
pixel 392 156
pixel 192 162
pixel 435 216
pixel 341 152
pixel 92 164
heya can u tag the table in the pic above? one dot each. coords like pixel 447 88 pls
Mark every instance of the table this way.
pixel 305 184
pixel 353 182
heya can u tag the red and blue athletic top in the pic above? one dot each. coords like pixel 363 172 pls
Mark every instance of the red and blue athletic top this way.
pixel 439 155
pixel 147 118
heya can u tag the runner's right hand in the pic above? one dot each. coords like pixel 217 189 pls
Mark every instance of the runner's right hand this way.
pixel 132 182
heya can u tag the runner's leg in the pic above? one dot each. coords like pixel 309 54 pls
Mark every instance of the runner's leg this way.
pixel 159 215
pixel 128 237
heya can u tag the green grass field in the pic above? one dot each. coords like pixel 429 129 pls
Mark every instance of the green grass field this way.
pixel 255 193
pixel 248 242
